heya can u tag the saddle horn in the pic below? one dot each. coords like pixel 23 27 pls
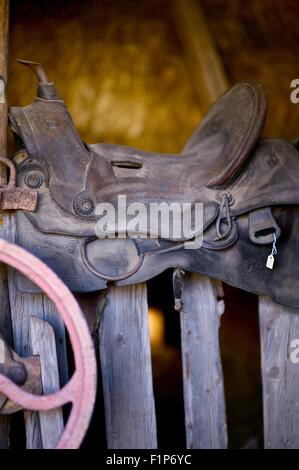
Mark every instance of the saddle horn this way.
pixel 45 88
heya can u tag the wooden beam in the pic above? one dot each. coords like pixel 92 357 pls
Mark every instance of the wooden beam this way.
pixel 43 345
pixel 5 329
pixel 206 69
pixel 200 304
pixel 4 5
pixel 279 327
pixel 4 302
pixel 126 370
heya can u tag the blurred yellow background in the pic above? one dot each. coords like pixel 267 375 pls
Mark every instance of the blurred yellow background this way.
pixel 117 64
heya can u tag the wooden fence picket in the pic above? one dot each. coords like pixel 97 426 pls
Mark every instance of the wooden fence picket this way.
pixel 279 327
pixel 200 309
pixel 125 358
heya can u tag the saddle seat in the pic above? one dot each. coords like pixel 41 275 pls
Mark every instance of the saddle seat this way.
pixel 228 133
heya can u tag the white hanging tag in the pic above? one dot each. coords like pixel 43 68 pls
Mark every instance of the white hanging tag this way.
pixel 270 262
pixel 271 259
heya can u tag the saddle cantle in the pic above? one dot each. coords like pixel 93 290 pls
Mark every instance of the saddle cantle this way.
pixel 248 188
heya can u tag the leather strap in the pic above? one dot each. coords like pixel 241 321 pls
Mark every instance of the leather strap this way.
pixel 262 225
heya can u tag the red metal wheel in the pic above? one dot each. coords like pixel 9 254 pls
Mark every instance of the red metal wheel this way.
pixel 80 391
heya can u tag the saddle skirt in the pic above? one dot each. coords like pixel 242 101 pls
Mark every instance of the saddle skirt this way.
pixel 247 186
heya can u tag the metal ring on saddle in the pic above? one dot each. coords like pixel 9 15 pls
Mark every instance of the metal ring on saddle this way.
pixel 97 273
pixel 222 243
pixel 224 214
pixel 227 237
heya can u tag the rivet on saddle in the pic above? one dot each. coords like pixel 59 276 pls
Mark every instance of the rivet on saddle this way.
pixel 248 187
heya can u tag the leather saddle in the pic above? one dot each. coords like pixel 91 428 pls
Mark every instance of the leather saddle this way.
pixel 247 187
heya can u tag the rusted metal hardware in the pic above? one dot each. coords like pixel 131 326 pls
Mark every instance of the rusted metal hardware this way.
pixel 23 371
pixel 11 186
pixel 11 197
pixel 80 391
pixel 10 367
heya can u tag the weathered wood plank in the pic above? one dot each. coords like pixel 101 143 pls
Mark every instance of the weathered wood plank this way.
pixel 207 71
pixel 43 345
pixel 4 304
pixel 126 370
pixel 5 329
pixel 4 5
pixel 200 310
pixel 22 306
pixel 279 327
pixel 4 16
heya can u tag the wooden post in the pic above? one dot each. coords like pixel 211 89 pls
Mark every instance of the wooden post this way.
pixel 200 304
pixel 4 302
pixel 126 370
pixel 3 80
pixel 279 327
pixel 44 345
pixel 5 329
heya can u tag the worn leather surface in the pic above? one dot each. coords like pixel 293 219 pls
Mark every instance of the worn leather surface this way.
pixel 224 156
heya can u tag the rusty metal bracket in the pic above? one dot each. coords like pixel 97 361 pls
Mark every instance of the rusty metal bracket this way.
pixel 80 391
pixel 11 197
pixel 23 371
